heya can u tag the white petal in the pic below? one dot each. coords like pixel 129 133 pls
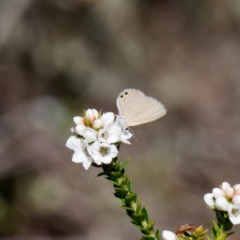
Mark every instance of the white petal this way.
pixel 69 142
pixel 230 192
pixel 167 235
pixel 107 118
pixel 107 159
pixel 234 213
pixel 222 204
pixel 79 156
pixel 236 199
pixel 98 123
pixel 94 151
pixel 80 129
pixel 74 143
pixel 90 135
pixel 209 199
pixel 225 186
pixel 217 192
pixel 113 151
pixel 78 120
pixel 87 163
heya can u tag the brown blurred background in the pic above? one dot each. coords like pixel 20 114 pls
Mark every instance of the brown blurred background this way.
pixel 58 57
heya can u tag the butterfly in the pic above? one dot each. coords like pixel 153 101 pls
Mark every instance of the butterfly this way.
pixel 136 108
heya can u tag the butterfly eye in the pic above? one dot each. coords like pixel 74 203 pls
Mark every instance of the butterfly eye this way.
pixel 126 93
pixel 126 129
pixel 121 96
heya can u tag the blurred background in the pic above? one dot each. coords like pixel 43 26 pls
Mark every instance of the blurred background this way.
pixel 58 57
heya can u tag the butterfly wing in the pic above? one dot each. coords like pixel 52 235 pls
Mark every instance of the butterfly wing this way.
pixel 128 103
pixel 137 108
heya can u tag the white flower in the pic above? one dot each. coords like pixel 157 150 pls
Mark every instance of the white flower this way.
pixel 234 213
pixel 209 200
pixel 90 135
pixel 103 152
pixel 217 192
pixel 80 148
pixel 222 204
pixel 167 235
pixel 91 115
pixel 110 134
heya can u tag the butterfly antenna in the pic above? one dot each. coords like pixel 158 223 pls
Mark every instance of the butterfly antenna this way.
pixel 134 135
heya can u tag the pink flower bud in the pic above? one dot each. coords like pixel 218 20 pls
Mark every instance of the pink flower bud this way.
pixel 91 115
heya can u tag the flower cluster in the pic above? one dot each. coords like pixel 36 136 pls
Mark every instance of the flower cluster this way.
pixel 225 199
pixel 96 137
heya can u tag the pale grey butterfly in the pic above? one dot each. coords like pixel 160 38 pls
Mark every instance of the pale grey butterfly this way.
pixel 136 108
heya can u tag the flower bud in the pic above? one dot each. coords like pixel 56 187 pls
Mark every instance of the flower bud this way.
pixel 217 192
pixel 230 192
pixel 78 120
pixel 209 200
pixel 98 123
pixel 237 189
pixel 80 129
pixel 222 204
pixel 225 186
pixel 91 115
pixel 167 235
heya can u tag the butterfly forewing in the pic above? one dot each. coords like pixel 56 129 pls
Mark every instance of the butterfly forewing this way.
pixel 137 108
pixel 128 103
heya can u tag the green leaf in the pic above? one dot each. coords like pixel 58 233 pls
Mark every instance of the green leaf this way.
pixel 158 235
pixel 208 238
pixel 101 174
pixel 221 237
pixel 144 211
pixel 121 191
pixel 230 233
pixel 150 225
pixel 115 175
pixel 114 183
pixel 129 185
pixel 122 200
pixel 138 217
pixel 127 208
pixel 124 181
pixel 95 165
pixel 148 238
pixel 138 226
pixel 124 164
pixel 131 197
pixel 138 205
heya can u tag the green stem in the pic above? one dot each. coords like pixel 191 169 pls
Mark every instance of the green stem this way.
pixel 115 173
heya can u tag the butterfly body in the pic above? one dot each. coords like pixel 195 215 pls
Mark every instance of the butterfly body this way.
pixel 136 108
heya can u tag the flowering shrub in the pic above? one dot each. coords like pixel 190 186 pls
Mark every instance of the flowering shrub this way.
pixel 96 141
